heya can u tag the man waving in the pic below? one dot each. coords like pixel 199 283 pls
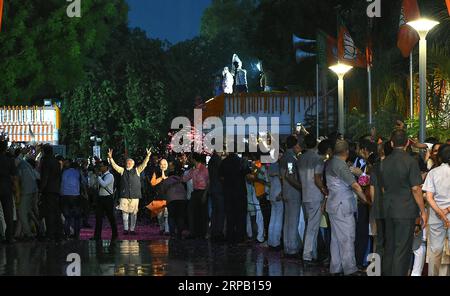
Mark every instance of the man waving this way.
pixel 130 190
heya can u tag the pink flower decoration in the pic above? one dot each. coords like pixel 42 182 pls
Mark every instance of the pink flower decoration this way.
pixel 364 180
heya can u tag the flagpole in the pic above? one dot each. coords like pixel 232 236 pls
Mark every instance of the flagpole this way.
pixel 411 88
pixel 317 101
pixel 369 78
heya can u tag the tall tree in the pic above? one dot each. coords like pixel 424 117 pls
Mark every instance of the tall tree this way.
pixel 44 52
pixel 123 98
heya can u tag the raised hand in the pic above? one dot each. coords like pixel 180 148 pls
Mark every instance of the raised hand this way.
pixel 110 153
pixel 149 151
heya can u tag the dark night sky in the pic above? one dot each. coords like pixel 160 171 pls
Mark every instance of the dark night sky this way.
pixel 174 20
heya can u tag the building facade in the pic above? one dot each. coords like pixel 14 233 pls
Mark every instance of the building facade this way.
pixel 31 124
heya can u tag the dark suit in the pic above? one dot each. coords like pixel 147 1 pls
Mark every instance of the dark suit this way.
pixel 50 188
pixel 378 209
pixel 217 200
pixel 233 171
pixel 400 173
pixel 7 173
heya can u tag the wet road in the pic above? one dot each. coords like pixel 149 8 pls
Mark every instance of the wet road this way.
pixel 161 257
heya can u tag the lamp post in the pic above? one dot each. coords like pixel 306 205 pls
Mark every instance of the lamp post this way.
pixel 423 26
pixel 340 70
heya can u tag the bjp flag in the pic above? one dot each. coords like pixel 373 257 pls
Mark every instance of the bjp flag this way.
pixel 1 13
pixel 348 53
pixel 326 49
pixel 448 6
pixel 407 36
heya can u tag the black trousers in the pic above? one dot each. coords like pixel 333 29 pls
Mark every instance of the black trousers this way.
pixel 52 215
pixel 398 252
pixel 105 207
pixel 362 234
pixel 8 211
pixel 241 88
pixel 71 208
pixel 324 241
pixel 85 209
pixel 217 215
pixel 177 216
pixel 236 217
pixel 380 238
pixel 200 214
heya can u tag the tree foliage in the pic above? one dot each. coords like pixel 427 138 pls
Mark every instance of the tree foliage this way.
pixel 44 52
pixel 127 87
pixel 123 100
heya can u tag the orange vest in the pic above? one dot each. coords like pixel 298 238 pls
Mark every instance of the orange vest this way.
pixel 259 187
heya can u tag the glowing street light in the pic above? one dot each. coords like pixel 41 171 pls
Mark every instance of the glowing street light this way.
pixel 423 26
pixel 340 70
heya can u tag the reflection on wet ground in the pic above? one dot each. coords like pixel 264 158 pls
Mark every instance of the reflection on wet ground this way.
pixel 149 258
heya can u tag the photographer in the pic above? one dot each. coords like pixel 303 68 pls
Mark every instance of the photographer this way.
pixel 105 202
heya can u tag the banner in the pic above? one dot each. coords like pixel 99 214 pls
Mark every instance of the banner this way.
pixel 1 13
pixel 348 53
pixel 407 36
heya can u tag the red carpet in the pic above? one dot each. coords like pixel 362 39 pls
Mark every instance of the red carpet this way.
pixel 145 230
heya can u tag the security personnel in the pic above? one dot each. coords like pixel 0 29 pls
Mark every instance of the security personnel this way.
pixel 402 200
pixel 291 197
pixel 310 163
pixel 341 208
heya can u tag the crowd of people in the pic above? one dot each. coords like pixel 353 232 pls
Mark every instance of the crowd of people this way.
pixel 328 203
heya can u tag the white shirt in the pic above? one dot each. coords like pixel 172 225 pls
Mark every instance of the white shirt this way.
pixel 189 186
pixel 106 183
pixel 227 83
pixel 308 164
pixel 438 182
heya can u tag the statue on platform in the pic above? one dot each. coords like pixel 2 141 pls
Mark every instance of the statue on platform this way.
pixel 218 85
pixel 265 78
pixel 240 75
pixel 227 81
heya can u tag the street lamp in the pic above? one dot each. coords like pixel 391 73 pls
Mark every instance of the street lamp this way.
pixel 423 26
pixel 340 70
